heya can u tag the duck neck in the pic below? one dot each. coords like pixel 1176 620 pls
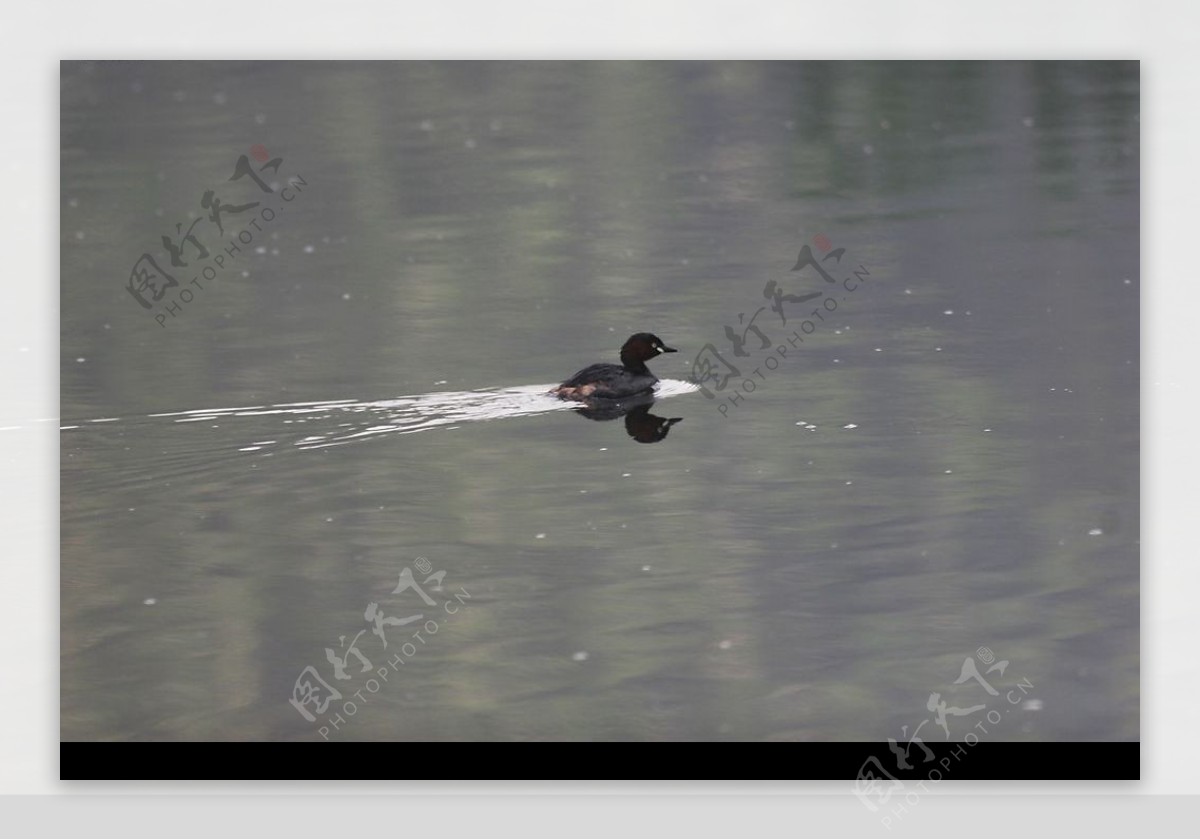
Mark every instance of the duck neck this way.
pixel 634 365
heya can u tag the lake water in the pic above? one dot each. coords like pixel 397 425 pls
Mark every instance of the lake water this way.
pixel 947 461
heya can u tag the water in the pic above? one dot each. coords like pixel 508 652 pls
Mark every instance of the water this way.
pixel 948 461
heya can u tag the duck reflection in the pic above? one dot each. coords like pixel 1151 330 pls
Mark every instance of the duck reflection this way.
pixel 640 424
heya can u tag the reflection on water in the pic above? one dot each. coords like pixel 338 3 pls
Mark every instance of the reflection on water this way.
pixel 641 425
pixel 949 462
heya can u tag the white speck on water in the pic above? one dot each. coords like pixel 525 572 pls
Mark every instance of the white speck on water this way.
pixel 878 349
pixel 725 644
pixel 908 291
pixel 848 483
pixel 308 249
pixel 1095 532
pixel 1127 281
pixel 250 449
pixel 949 472
pixel 345 296
pixel 645 568
pixel 583 491
pixel 79 234
pixel 987 430
pixel 603 448
pixel 937 349
pixel 626 475
pixel 441 382
pixel 850 426
pixel 261 249
pixel 426 125
pixel 74 202
pixel 245 273
pixel 81 360
pixel 948 312
pixel 469 143
pixel 801 423
pixel 150 602
pixel 580 656
pixel 837 332
pixel 274 252
pixel 1032 706
pixel 540 537
pixel 968 312
pixel 833 545
pixel 836 361
pixel 811 427
pixel 328 518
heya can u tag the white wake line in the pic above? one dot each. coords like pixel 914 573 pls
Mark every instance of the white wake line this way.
pixel 435 409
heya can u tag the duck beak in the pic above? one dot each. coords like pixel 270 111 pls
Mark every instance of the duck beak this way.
pixel 667 349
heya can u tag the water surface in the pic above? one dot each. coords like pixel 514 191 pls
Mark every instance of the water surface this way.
pixel 948 461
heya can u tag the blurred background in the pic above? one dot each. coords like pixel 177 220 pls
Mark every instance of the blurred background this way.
pixel 948 462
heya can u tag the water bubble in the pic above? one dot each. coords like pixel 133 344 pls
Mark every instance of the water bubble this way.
pixel 580 656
